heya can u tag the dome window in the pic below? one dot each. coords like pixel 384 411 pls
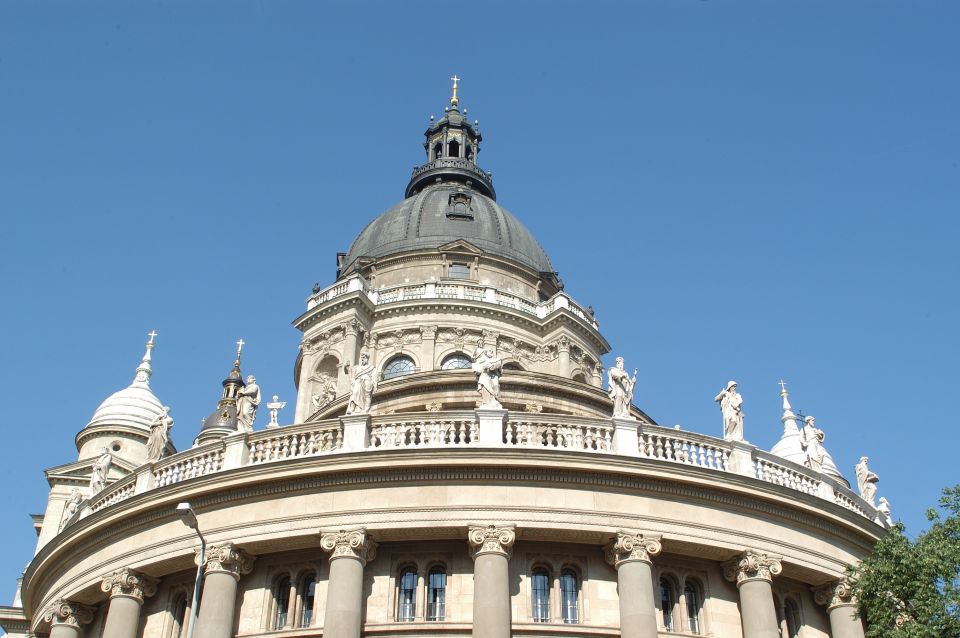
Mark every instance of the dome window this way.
pixel 398 366
pixel 456 361
pixel 453 148
pixel 458 207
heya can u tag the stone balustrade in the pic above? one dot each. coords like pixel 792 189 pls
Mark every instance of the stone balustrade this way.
pixel 464 291
pixel 462 428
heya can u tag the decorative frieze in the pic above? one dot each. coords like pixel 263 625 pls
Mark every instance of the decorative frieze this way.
pixel 752 565
pixel 128 583
pixel 836 594
pixel 64 612
pixel 354 543
pixel 226 558
pixel 631 546
pixel 491 539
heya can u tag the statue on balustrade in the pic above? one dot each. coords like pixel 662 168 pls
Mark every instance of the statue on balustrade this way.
pixel 363 382
pixel 101 468
pixel 326 389
pixel 866 481
pixel 731 407
pixel 159 435
pixel 248 398
pixel 811 440
pixel 487 367
pixel 885 514
pixel 620 389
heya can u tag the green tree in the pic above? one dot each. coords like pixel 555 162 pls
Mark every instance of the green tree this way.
pixel 911 589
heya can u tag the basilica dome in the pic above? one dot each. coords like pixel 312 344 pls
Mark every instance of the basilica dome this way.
pixel 446 212
pixel 135 405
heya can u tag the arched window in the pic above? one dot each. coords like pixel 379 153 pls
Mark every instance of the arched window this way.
pixel 694 603
pixel 308 591
pixel 281 601
pixel 456 361
pixel 437 150
pixel 791 616
pixel 668 600
pixel 579 377
pixel 436 593
pixel 179 609
pixel 407 595
pixel 453 148
pixel 540 595
pixel 569 596
pixel 512 366
pixel 398 366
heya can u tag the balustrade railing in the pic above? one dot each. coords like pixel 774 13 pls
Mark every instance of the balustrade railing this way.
pixel 426 429
pixel 309 439
pixel 189 464
pixel 684 447
pixel 463 428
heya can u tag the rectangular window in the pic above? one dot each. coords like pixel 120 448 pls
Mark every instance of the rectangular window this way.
pixel 436 594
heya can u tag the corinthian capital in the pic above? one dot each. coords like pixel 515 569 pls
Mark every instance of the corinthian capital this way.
pixel 355 543
pixel 490 539
pixel 126 582
pixel 630 546
pixel 64 612
pixel 226 558
pixel 752 565
pixel 836 594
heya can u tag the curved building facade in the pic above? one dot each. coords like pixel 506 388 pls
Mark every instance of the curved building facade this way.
pixel 453 469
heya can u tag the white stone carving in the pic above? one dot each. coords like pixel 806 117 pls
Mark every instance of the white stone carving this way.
pixel 226 558
pixel 159 435
pixel 248 398
pixel 98 478
pixel 126 582
pixel 752 565
pixel 885 514
pixel 836 594
pixel 620 389
pixel 326 389
pixel 811 439
pixel 488 368
pixel 866 481
pixel 632 546
pixel 491 539
pixel 731 407
pixel 65 612
pixel 363 383
pixel 274 407
pixel 354 543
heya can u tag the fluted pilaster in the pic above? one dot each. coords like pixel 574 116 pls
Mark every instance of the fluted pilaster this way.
pixel 631 553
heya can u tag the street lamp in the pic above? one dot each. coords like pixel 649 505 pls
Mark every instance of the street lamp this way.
pixel 189 518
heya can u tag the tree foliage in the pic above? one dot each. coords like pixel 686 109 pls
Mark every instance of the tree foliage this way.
pixel 911 589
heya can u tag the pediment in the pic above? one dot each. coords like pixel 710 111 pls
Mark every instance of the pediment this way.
pixel 460 246
pixel 80 471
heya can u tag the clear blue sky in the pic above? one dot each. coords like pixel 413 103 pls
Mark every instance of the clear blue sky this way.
pixel 748 190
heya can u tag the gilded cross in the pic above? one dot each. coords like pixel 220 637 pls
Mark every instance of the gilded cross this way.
pixel 239 347
pixel 454 100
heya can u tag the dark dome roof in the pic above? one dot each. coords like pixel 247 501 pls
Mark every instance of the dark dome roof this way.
pixel 429 219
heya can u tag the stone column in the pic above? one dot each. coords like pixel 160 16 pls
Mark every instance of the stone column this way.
pixel 223 566
pixel 753 571
pixel 66 617
pixel 350 551
pixel 563 357
pixel 429 353
pixel 841 607
pixel 127 590
pixel 631 553
pixel 490 546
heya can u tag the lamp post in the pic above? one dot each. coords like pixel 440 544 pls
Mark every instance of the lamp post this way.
pixel 189 518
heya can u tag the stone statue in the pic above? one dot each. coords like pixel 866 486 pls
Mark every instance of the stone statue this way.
pixel 363 382
pixel 73 504
pixel 327 391
pixel 98 478
pixel 274 407
pixel 248 398
pixel 731 407
pixel 620 389
pixel 487 367
pixel 884 509
pixel 811 439
pixel 866 481
pixel 159 435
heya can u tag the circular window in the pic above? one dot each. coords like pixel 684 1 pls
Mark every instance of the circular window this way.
pixel 115 446
pixel 398 366
pixel 456 361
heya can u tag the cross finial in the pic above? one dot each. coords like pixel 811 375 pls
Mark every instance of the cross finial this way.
pixel 454 100
pixel 783 386
pixel 239 347
pixel 152 334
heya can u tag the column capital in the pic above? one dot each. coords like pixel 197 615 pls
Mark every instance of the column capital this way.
pixel 428 332
pixel 491 539
pixel 226 558
pixel 65 612
pixel 839 593
pixel 354 543
pixel 130 584
pixel 752 565
pixel 632 546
